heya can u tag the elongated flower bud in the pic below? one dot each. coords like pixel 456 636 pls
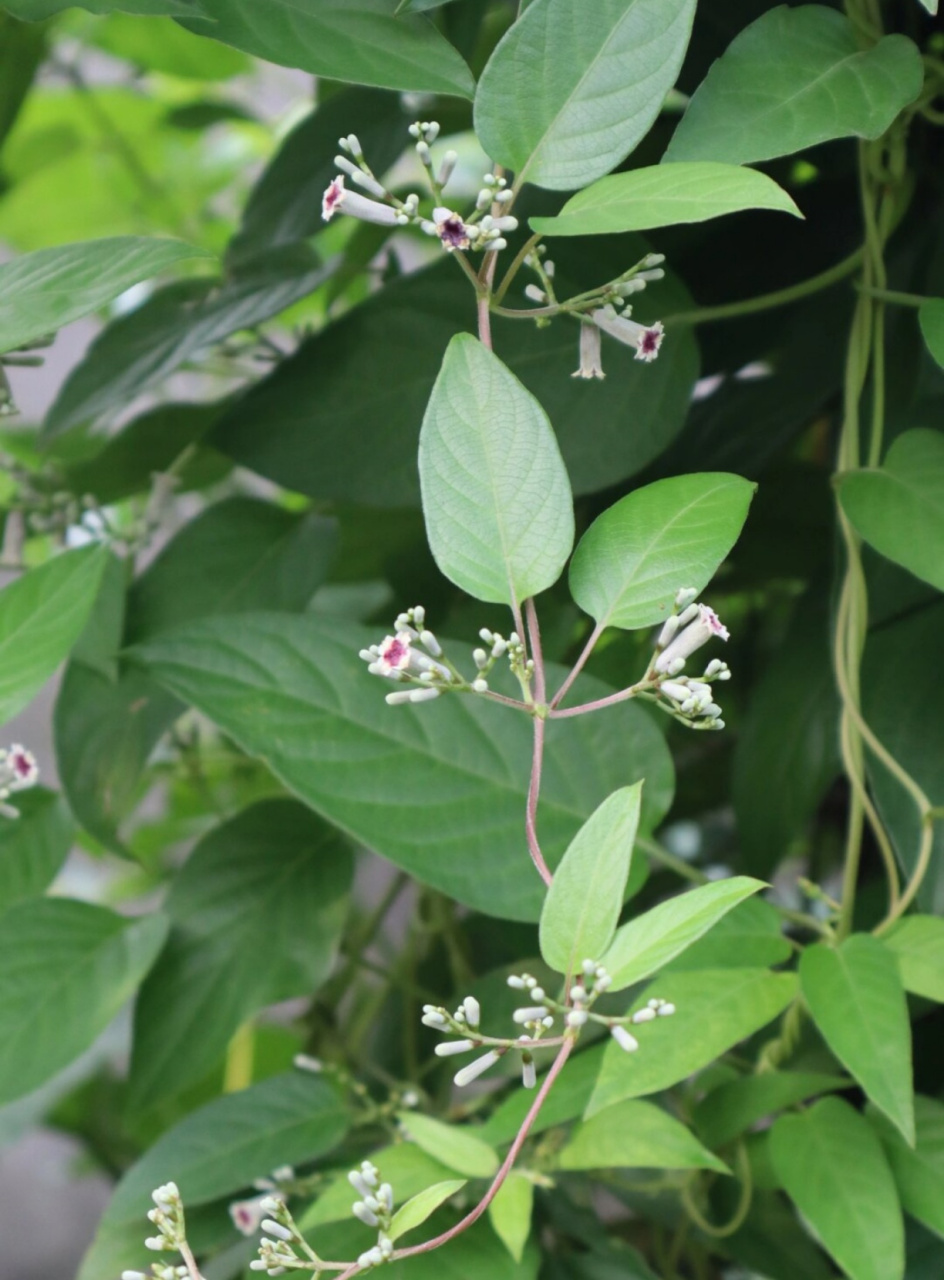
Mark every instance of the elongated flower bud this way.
pixel 476 1068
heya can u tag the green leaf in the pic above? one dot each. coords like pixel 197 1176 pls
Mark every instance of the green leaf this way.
pixel 355 40
pixel 729 1110
pixel 158 44
pixel 919 1172
pixel 42 291
pixel 857 1001
pixel 899 507
pixel 510 1212
pixel 831 1164
pixel 457 1148
pixel 256 914
pixel 586 895
pixel 645 945
pixel 567 1100
pixel 931 319
pixel 750 936
pixel 35 10
pixel 662 196
pixel 66 968
pixel 918 944
pixel 674 533
pixel 371 372
pixel 794 78
pixel 636 1135
pixel 496 497
pixel 294 692
pixel 405 1166
pixel 42 614
pixel 569 91
pixel 715 1009
pixel 420 6
pixel 139 350
pixel 33 847
pixel 415 1212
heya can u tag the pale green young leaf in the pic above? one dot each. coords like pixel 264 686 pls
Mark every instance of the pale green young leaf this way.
pixel 636 1135
pixel 416 1210
pixel 794 78
pixel 42 291
pixel 646 944
pixel 360 41
pixel 858 1003
pixel 918 1171
pixel 42 615
pixel 457 1148
pixel 918 944
pixel 832 1166
pixel 570 90
pixel 931 319
pixel 510 1212
pixel 727 1111
pixel 662 196
pixel 586 895
pixel 66 968
pixel 899 507
pixel 714 1010
pixel 674 533
pixel 496 497
pixel 750 936
pixel 34 847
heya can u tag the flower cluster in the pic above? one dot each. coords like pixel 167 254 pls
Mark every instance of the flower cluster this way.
pixel 18 771
pixel 374 1209
pixel 277 1248
pixel 690 627
pixel 168 1217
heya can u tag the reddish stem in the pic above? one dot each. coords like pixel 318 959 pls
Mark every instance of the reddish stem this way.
pixel 598 705
pixel 578 666
pixel 534 790
pixel 485 320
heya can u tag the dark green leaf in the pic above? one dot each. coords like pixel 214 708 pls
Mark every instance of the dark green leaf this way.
pixel 66 968
pixel 33 847
pixel 931 319
pixel 636 1135
pixel 256 916
pixel 569 91
pixel 42 291
pixel 34 10
pixel 918 945
pixel 832 1165
pixel 729 1110
pixel 294 691
pixel 919 1171
pixel 858 1003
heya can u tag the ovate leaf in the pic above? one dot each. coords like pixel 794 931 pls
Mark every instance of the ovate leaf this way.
pixel 931 319
pixel 728 1110
pixel 510 1212
pixel 750 936
pixel 661 196
pixel 34 846
pixel 496 497
pixel 636 1135
pixel 794 78
pixel 899 507
pixel 674 533
pixel 66 968
pixel 917 943
pixel 919 1171
pixel 645 945
pixel 715 1009
pixel 42 614
pixel 454 1146
pixel 42 291
pixel 586 895
pixel 570 90
pixel 858 1003
pixel 416 1210
pixel 832 1166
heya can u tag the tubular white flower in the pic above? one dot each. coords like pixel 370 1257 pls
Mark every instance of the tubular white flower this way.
pixel 276 1229
pixel 337 199
pixel 529 1075
pixel 476 1068
pixel 698 632
pixel 591 363
pixel 452 1047
pixel 360 1211
pixel 646 339
pixel 451 230
pixel 247 1215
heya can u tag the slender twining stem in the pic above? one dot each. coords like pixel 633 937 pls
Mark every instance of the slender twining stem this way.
pixel 894 296
pixel 537 757
pixel 578 666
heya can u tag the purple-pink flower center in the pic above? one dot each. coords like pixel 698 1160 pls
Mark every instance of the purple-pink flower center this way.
pixel 713 622
pixel 22 764
pixel 452 232
pixel 396 652
pixel 650 342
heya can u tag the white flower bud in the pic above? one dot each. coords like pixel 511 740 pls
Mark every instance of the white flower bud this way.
pixel 514 981
pixel 360 1211
pixel 666 1009
pixel 677 692
pixel 691 636
pixel 473 1010
pixel 452 1047
pixel 430 643
pixel 537 993
pixel 624 1039
pixel 385 1196
pixel 577 1017
pixel 669 628
pixel 480 686
pixel 644 1015
pixel 528 1072
pixel 685 596
pixel 533 1013
pixel 476 1068
pixel 398 699
pixel 276 1229
pixel 447 166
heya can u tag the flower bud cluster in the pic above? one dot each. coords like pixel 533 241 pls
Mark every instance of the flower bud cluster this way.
pixel 18 771
pixel 278 1246
pixel 685 631
pixel 655 1008
pixel 374 1209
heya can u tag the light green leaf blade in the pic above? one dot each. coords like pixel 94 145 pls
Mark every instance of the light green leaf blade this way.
pixel 930 5
pixel 931 319
pixel 256 914
pixel 636 1135
pixel 405 1166
pixel 715 1009
pixel 899 507
pixel 918 1171
pixel 570 90
pixel 567 1100
pixel 416 1210
pixel 586 895
pixel 645 945
pixel 36 10
pixel 858 1003
pixel 510 1212
pixel 662 196
pixel 66 968
pixel 42 615
pixel 794 78
pixel 674 533
pixel 496 497
pixel 352 40
pixel 918 944
pixel 832 1166
pixel 750 936
pixel 729 1110
pixel 34 847
pixel 294 692
pixel 457 1148
pixel 42 291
